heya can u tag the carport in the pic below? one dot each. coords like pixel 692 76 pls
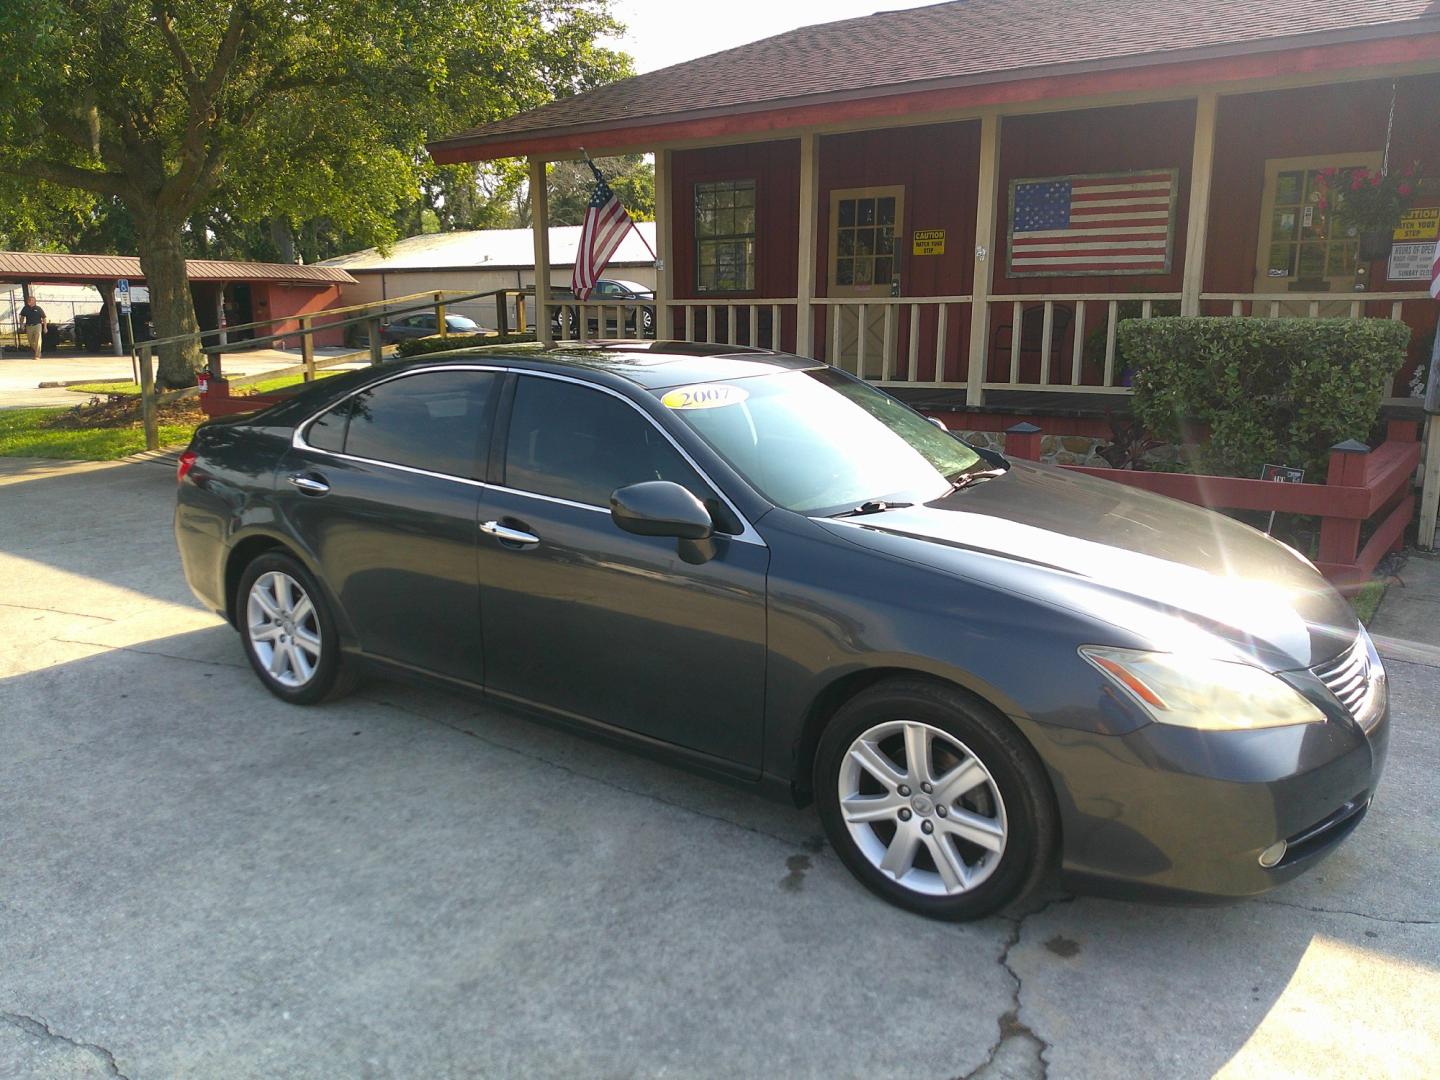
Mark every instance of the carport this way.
pixel 224 292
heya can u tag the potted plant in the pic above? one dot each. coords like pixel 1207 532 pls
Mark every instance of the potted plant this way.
pixel 1369 202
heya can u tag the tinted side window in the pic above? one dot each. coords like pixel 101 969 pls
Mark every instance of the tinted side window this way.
pixel 571 442
pixel 436 420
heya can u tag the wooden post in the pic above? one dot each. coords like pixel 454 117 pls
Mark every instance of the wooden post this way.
pixel 540 227
pixel 440 315
pixel 502 314
pixel 808 271
pixel 377 347
pixel 988 193
pixel 1023 441
pixel 520 323
pixel 112 311
pixel 664 226
pixel 1430 491
pixel 1340 537
pixel 1197 226
pixel 307 347
pixel 147 398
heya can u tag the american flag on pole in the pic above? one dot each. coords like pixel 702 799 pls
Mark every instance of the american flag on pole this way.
pixel 606 224
pixel 1116 223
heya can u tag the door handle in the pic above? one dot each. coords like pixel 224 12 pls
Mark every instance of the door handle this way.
pixel 308 483
pixel 507 535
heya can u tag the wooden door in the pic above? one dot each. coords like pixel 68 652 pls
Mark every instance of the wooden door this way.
pixel 866 231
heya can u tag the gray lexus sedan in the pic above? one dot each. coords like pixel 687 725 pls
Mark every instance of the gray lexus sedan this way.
pixel 762 569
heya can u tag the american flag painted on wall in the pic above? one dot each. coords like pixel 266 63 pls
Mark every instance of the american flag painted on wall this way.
pixel 1116 223
pixel 605 225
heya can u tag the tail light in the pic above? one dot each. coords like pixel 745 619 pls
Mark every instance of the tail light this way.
pixel 187 462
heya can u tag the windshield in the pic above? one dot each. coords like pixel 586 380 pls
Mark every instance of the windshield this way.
pixel 817 442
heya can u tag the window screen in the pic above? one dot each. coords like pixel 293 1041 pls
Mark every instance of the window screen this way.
pixel 436 420
pixel 571 442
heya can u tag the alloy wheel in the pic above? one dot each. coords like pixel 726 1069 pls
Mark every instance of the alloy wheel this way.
pixel 922 808
pixel 284 629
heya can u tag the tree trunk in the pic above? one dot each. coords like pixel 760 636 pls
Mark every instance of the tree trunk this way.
pixel 172 308
pixel 283 239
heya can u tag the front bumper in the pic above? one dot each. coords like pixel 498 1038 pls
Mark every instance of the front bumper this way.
pixel 1169 813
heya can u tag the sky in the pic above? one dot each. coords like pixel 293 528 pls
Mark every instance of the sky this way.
pixel 665 32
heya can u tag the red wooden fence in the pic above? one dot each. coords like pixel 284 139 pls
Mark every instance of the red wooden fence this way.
pixel 1362 484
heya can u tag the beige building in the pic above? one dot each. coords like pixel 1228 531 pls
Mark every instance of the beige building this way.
pixel 482 261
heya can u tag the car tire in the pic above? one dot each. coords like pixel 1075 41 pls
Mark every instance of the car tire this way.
pixel 980 804
pixel 289 632
pixel 647 322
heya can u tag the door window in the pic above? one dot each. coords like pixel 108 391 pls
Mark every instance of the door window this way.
pixel 865 225
pixel 1303 242
pixel 436 420
pixel 571 442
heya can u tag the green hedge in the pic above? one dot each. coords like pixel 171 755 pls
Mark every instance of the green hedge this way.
pixel 421 346
pixel 1281 391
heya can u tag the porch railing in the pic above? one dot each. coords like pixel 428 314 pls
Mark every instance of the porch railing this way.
pixel 896 340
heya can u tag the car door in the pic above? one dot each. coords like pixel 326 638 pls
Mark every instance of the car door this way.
pixel 581 617
pixel 383 490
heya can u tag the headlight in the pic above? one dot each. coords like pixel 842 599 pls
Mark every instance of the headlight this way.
pixel 1200 693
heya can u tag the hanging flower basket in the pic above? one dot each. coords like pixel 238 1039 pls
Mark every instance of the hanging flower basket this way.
pixel 1369 202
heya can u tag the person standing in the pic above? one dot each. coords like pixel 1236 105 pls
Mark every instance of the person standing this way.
pixel 32 318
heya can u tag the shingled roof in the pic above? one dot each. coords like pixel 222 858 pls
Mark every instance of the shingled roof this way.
pixel 44 266
pixel 954 44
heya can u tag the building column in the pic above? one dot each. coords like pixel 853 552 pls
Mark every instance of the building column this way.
pixel 221 338
pixel 664 230
pixel 807 269
pixel 987 194
pixel 1197 226
pixel 540 227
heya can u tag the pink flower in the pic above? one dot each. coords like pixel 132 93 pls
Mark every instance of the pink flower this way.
pixel 1375 180
pixel 1405 189
pixel 1357 183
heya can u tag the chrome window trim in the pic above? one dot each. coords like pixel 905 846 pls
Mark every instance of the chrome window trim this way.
pixel 747 534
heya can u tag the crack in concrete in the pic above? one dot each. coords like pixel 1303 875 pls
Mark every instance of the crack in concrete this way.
pixel 808 844
pixel 1018 1051
pixel 41 1030
pixel 1345 911
pixel 56 611
pixel 151 652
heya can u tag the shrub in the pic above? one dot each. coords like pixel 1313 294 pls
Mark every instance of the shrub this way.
pixel 421 346
pixel 1270 390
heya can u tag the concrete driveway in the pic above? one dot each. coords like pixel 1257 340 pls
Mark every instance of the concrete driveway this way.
pixel 198 881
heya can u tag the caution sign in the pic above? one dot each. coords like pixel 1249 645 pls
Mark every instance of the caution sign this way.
pixel 1422 223
pixel 928 242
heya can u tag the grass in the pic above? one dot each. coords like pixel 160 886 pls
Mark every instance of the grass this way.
pixel 130 388
pixel 28 433
pixel 1367 600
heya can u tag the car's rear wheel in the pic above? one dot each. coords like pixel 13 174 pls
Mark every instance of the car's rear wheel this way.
pixel 289 632
pixel 933 800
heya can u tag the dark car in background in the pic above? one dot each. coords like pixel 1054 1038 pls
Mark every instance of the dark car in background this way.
pixel 425 324
pixel 766 570
pixel 92 331
pixel 607 290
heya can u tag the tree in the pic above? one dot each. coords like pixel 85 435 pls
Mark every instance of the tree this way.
pixel 631 178
pixel 291 110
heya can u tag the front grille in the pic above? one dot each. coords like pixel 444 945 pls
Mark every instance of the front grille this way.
pixel 1357 683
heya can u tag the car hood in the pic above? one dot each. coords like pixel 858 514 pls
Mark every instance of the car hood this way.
pixel 1175 576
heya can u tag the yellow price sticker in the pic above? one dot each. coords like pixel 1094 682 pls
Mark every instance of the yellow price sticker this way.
pixel 704 396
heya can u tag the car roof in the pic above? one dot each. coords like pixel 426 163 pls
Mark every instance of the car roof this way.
pixel 651 365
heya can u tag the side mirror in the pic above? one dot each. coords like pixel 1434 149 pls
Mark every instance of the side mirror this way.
pixel 661 508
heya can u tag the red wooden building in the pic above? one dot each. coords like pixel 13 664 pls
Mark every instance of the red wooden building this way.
pixel 961 201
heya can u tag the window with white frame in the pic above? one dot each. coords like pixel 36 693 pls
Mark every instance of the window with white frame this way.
pixel 725 236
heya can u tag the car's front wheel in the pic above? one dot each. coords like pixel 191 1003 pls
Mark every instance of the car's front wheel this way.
pixel 289 632
pixel 934 801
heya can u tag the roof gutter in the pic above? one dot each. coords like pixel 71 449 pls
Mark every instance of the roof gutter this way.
pixel 1415 40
